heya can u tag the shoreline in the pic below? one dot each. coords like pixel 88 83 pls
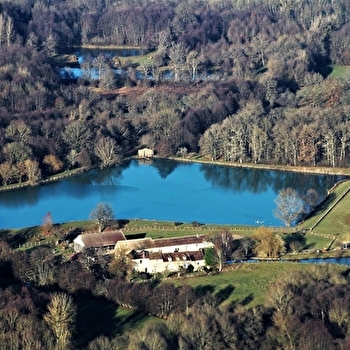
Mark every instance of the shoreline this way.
pixel 285 168
pixel 302 170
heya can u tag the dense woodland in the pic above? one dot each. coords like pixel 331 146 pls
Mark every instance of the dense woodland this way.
pixel 250 83
pixel 47 302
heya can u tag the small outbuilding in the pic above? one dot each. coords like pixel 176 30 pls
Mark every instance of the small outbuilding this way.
pixel 145 153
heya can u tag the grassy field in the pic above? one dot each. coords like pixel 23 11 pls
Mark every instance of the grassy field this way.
pixel 247 283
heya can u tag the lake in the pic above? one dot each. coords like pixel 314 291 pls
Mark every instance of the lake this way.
pixel 161 190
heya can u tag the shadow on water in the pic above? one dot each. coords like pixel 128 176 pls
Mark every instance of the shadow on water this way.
pixel 320 208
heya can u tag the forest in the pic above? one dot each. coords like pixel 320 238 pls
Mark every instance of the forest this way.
pixel 251 83
pixel 51 302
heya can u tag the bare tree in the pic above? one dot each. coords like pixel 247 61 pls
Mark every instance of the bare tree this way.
pixel 223 245
pixel 53 162
pixel 16 152
pixel 47 224
pixel 193 60
pixel 212 141
pixel 102 213
pixel 77 135
pixel 7 172
pixel 161 122
pixel 258 142
pixel 41 269
pixel 106 150
pixel 289 206
pixel 50 45
pixel 162 39
pixel 61 317
pixel 177 54
pixel 32 171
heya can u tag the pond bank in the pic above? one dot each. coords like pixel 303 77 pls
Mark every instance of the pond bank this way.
pixel 287 168
pixel 49 179
pixel 305 170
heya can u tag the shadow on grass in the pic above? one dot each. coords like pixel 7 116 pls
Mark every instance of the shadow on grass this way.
pixel 295 241
pixel 247 300
pixel 346 273
pixel 224 293
pixel 203 290
pixel 98 316
pixel 310 246
pixel 122 222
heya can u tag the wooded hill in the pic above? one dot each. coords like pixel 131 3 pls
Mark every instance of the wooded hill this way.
pixel 250 83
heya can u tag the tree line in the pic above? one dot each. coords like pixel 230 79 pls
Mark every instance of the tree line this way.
pixel 250 84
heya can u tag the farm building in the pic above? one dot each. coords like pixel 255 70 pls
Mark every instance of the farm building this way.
pixel 166 254
pixel 106 240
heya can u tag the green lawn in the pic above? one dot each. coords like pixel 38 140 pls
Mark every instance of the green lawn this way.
pixel 248 283
pixel 317 242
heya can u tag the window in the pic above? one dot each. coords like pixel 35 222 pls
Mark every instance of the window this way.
pixel 140 261
pixel 176 250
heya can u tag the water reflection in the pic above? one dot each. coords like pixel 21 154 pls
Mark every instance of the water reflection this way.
pixel 161 190
pixel 237 179
pixel 258 181
pixel 26 197
pixel 164 167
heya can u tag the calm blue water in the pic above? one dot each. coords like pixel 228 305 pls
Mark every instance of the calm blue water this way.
pixel 337 261
pixel 160 190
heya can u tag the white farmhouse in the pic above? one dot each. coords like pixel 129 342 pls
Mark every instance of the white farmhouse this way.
pixel 166 254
